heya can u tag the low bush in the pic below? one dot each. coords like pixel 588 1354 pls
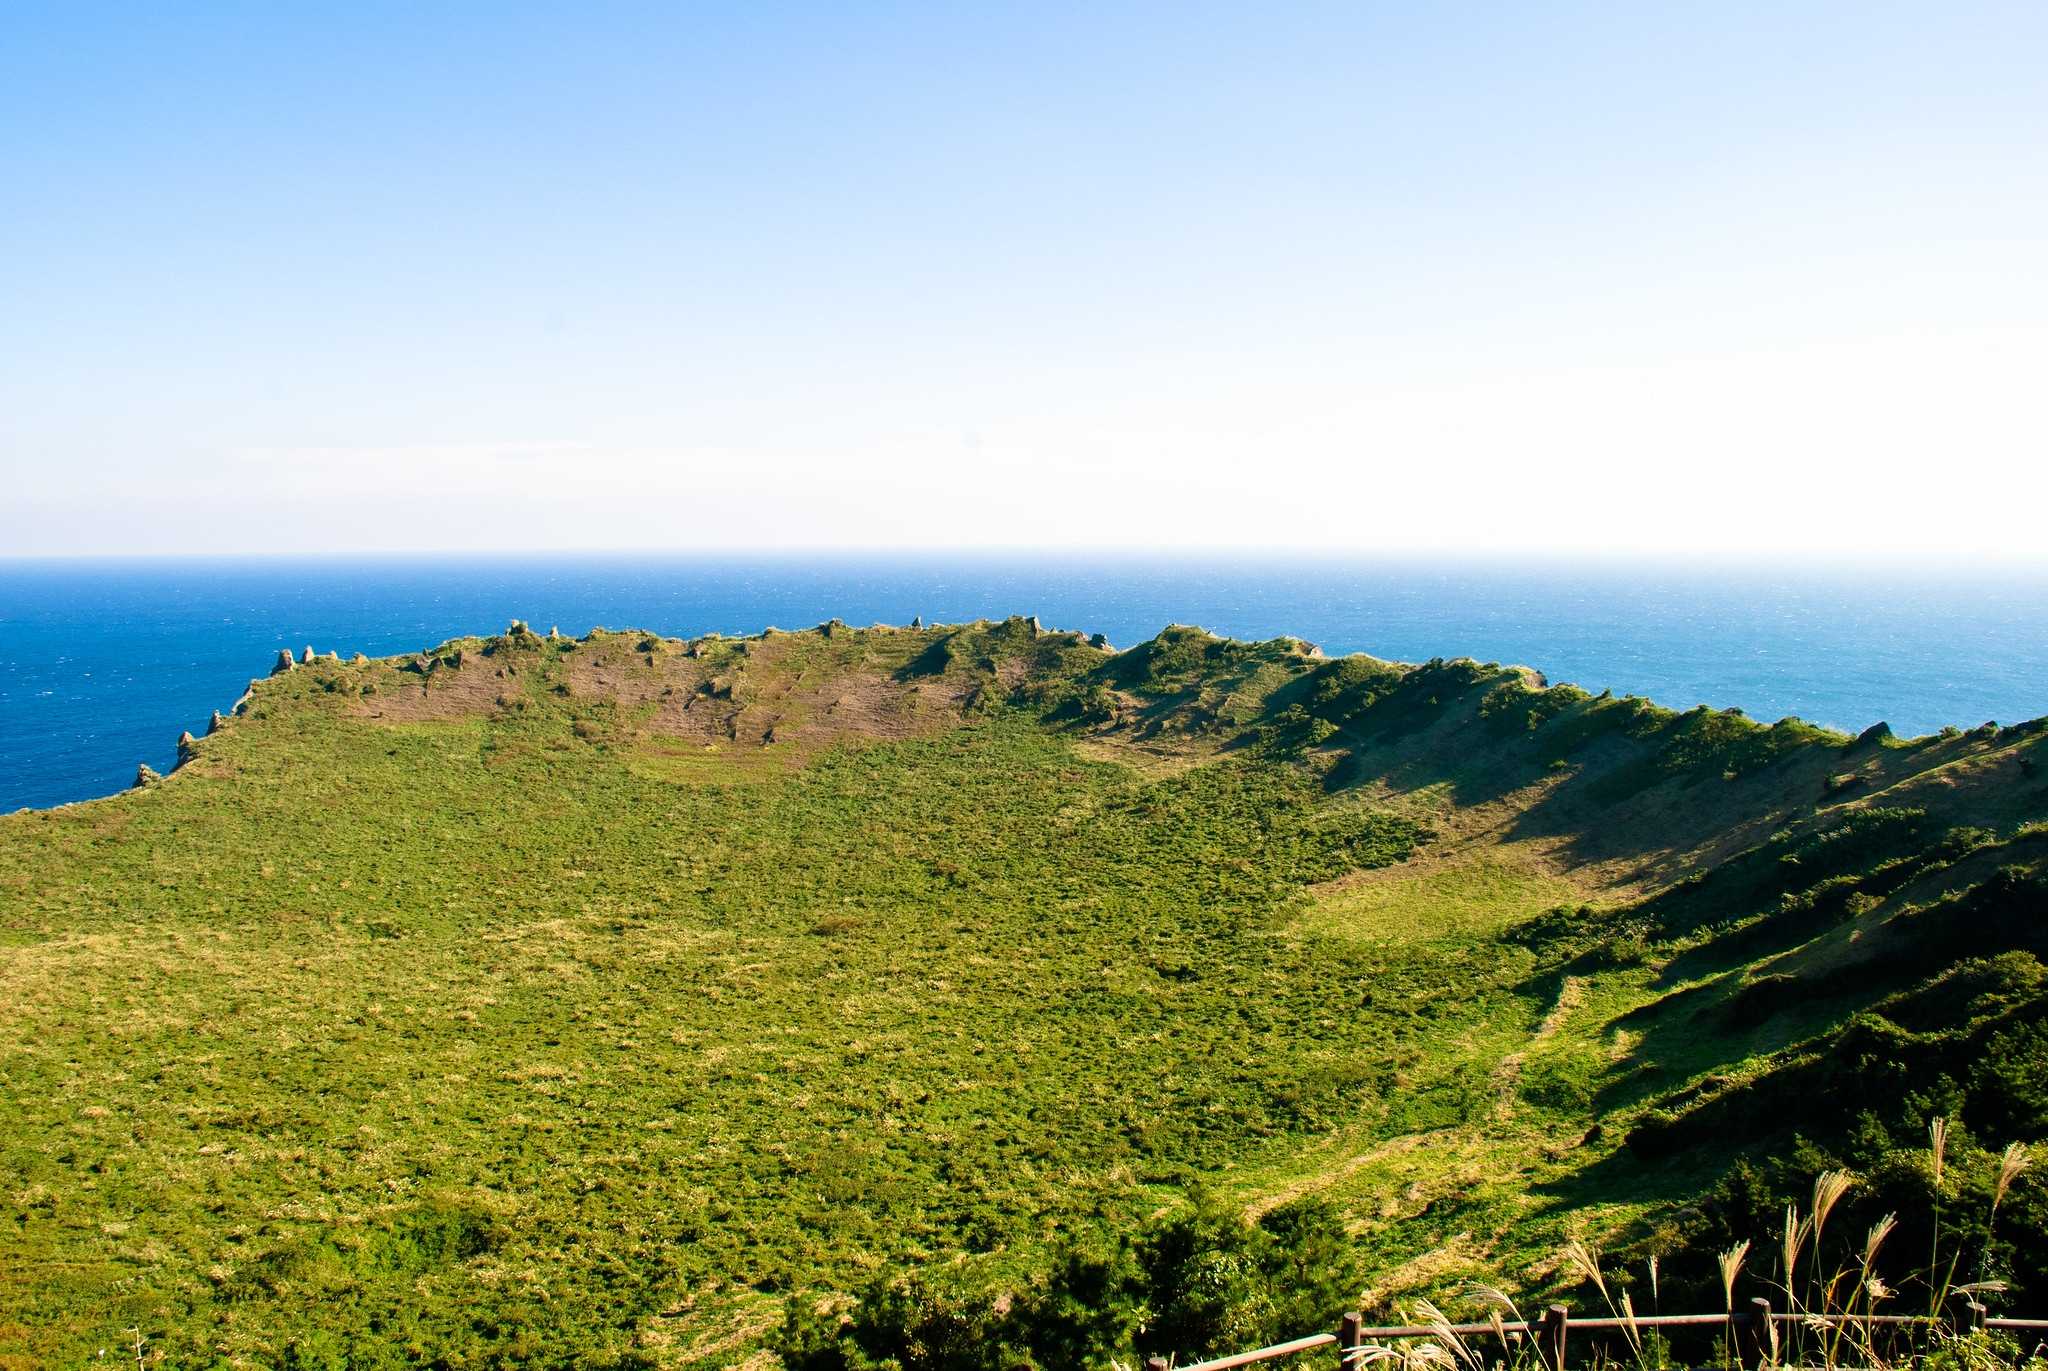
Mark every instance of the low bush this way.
pixel 1198 1280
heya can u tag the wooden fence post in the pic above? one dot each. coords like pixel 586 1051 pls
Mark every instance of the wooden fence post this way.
pixel 1350 1337
pixel 1973 1316
pixel 1155 1364
pixel 1754 1340
pixel 1550 1337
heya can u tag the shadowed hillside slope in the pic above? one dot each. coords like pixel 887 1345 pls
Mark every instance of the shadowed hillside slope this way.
pixel 600 1000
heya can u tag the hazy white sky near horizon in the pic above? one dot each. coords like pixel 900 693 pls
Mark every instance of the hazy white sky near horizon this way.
pixel 1739 278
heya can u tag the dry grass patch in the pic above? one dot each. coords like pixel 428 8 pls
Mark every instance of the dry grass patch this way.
pixel 1476 892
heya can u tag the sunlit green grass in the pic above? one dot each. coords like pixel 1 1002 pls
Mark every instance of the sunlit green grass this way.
pixel 1468 897
pixel 509 1028
pixel 423 1030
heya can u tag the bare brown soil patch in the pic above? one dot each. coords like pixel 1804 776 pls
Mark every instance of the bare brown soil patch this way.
pixel 792 694
pixel 1154 760
pixel 441 695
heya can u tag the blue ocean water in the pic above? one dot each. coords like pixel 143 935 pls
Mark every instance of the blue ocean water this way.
pixel 102 663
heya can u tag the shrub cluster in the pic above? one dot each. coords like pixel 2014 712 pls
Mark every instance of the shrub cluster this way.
pixel 1198 1280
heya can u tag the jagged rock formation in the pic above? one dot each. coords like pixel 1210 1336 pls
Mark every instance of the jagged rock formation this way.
pixel 145 774
pixel 284 662
pixel 309 654
pixel 214 724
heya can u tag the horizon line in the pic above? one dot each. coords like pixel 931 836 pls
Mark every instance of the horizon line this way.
pixel 1908 559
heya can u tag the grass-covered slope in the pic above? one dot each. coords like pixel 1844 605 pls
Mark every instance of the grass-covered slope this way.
pixel 558 1001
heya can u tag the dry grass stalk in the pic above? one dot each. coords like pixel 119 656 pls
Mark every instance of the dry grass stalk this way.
pixel 1937 1149
pixel 1585 1260
pixel 1459 1351
pixel 1828 1189
pixel 1731 1267
pixel 1874 1240
pixel 1796 1229
pixel 1635 1334
pixel 2016 1160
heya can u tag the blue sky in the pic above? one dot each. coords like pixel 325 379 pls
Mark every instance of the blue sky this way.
pixel 1352 277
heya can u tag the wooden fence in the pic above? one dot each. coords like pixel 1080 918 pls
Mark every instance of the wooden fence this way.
pixel 1750 1332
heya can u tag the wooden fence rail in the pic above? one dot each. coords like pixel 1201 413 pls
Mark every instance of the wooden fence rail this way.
pixel 1748 1328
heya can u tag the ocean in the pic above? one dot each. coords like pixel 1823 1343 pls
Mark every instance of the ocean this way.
pixel 102 663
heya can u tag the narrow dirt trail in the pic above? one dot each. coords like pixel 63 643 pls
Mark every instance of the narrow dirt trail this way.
pixel 1505 1073
pixel 1351 1166
pixel 1509 1071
